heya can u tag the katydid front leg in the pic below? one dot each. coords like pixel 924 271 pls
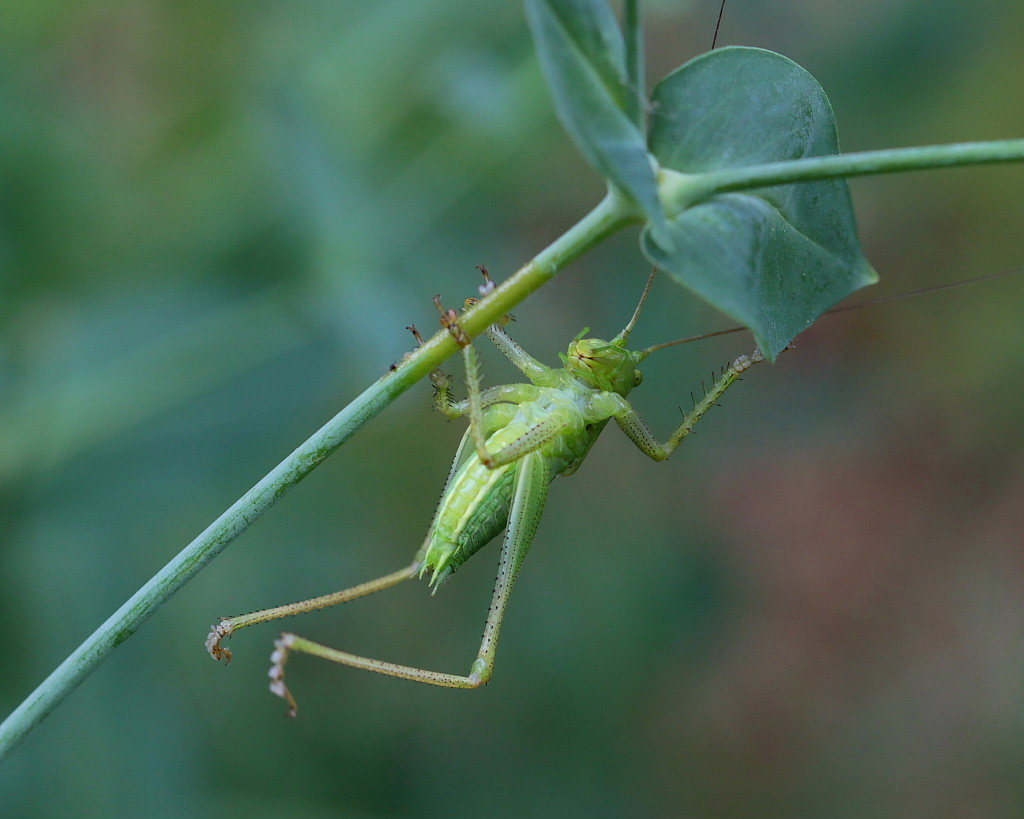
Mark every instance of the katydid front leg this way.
pixel 523 361
pixel 630 422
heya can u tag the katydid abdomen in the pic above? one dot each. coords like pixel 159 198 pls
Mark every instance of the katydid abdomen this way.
pixel 474 508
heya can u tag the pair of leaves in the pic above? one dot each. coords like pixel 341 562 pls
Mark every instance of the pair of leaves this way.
pixel 773 258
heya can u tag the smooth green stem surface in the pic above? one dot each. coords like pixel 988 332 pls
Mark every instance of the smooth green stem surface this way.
pixel 611 214
pixel 681 191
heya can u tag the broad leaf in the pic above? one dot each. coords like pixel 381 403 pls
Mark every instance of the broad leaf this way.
pixel 772 258
pixel 583 56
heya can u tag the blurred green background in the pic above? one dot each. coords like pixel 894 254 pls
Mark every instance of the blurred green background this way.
pixel 206 209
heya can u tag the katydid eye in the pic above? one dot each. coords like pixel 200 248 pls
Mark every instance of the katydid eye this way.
pixel 638 378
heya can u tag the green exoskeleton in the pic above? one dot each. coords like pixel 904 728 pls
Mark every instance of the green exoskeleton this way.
pixel 520 437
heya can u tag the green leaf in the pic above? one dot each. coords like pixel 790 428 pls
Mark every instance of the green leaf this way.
pixel 773 258
pixel 636 72
pixel 583 56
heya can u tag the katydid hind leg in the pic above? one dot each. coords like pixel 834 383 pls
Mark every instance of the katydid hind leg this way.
pixel 229 625
pixel 529 496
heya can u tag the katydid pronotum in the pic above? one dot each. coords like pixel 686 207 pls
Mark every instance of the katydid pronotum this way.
pixel 520 437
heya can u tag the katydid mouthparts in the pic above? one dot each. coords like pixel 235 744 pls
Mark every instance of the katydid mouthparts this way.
pixel 520 438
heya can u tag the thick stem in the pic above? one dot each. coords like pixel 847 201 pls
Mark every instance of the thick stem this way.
pixel 680 190
pixel 611 214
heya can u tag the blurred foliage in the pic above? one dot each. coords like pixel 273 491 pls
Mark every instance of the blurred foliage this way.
pixel 215 220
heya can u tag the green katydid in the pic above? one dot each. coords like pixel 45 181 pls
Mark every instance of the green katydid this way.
pixel 520 437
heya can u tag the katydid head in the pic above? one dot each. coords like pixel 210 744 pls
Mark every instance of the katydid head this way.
pixel 604 365
pixel 609 365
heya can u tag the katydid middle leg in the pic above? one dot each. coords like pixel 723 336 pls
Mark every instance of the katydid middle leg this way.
pixel 442 383
pixel 504 393
pixel 509 394
pixel 530 441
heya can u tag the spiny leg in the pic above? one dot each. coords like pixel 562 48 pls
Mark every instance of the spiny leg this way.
pixel 501 394
pixel 509 394
pixel 522 360
pixel 530 441
pixel 476 409
pixel 445 401
pixel 443 398
pixel 529 494
pixel 229 625
pixel 631 423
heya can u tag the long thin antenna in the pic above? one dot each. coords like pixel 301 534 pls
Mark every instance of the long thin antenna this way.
pixel 935 288
pixel 623 336
pixel 718 25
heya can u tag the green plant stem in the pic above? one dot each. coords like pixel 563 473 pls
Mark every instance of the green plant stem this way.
pixel 680 191
pixel 612 213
